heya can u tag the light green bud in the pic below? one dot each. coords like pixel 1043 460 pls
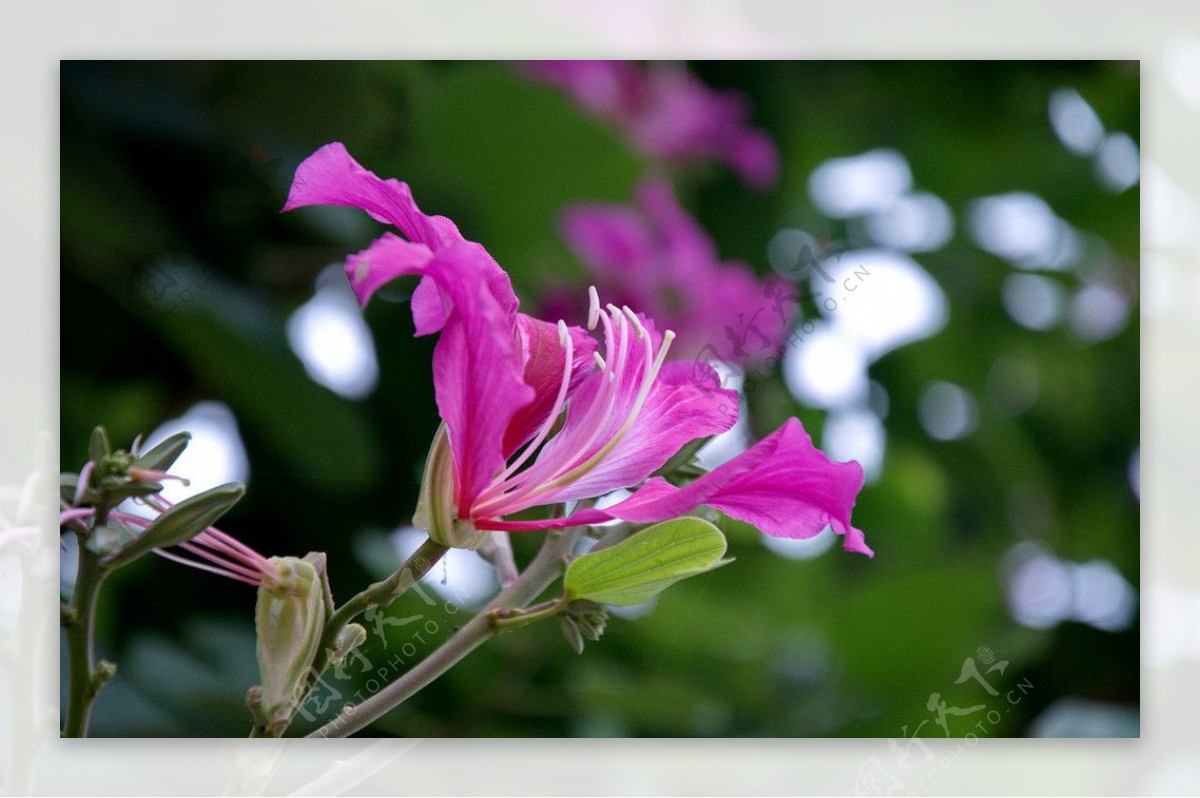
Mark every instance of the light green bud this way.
pixel 290 619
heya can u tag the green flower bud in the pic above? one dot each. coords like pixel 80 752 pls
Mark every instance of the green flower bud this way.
pixel 350 638
pixel 290 618
pixel 436 514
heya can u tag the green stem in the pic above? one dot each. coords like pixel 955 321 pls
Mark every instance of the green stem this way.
pixel 83 680
pixel 547 566
pixel 378 595
pixel 504 620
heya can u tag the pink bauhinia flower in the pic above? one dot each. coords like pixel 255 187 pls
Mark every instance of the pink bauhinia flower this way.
pixel 536 414
pixel 655 257
pixel 668 113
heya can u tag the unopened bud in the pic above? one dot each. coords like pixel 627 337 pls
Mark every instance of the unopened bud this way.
pixel 290 619
pixel 350 638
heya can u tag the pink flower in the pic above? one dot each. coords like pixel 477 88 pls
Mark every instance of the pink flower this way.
pixel 535 414
pixel 668 113
pixel 656 258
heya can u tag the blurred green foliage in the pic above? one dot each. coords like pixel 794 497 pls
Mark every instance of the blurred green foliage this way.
pixel 180 169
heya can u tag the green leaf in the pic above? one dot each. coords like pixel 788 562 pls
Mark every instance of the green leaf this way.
pixel 643 565
pixel 164 455
pixel 182 522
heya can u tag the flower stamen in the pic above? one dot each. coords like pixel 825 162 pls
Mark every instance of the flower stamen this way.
pixel 622 327
pixel 560 401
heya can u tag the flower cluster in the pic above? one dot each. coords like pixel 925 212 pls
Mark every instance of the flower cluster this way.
pixel 655 257
pixel 537 413
pixel 666 112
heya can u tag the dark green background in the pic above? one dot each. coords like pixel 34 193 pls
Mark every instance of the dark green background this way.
pixel 184 166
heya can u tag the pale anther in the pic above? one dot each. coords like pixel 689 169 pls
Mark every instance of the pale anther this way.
pixel 593 307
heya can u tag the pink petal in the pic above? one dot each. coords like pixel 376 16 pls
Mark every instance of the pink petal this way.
pixel 477 363
pixel 477 370
pixel 783 486
pixel 330 176
pixel 544 360
pixel 755 159
pixel 613 241
pixel 692 252
pixel 388 257
pixel 604 88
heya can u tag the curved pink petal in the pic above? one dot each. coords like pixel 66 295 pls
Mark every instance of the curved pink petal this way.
pixel 330 176
pixel 783 485
pixel 388 257
pixel 544 359
pixel 477 363
pixel 477 370
pixel 430 303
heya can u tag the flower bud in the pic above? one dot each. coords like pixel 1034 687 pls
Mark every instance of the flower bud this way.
pixel 290 619
pixel 350 638
pixel 436 514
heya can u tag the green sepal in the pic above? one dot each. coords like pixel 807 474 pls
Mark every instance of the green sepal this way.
pixel 572 633
pixel 643 565
pixel 164 455
pixel 436 514
pixel 98 446
pixel 351 637
pixel 180 523
pixel 582 619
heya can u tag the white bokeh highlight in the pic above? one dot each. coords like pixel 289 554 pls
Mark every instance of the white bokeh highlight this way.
pixel 214 456
pixel 947 412
pixel 860 184
pixel 917 222
pixel 1075 122
pixel 1044 590
pixel 1033 301
pixel 332 340
pixel 855 434
pixel 827 369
